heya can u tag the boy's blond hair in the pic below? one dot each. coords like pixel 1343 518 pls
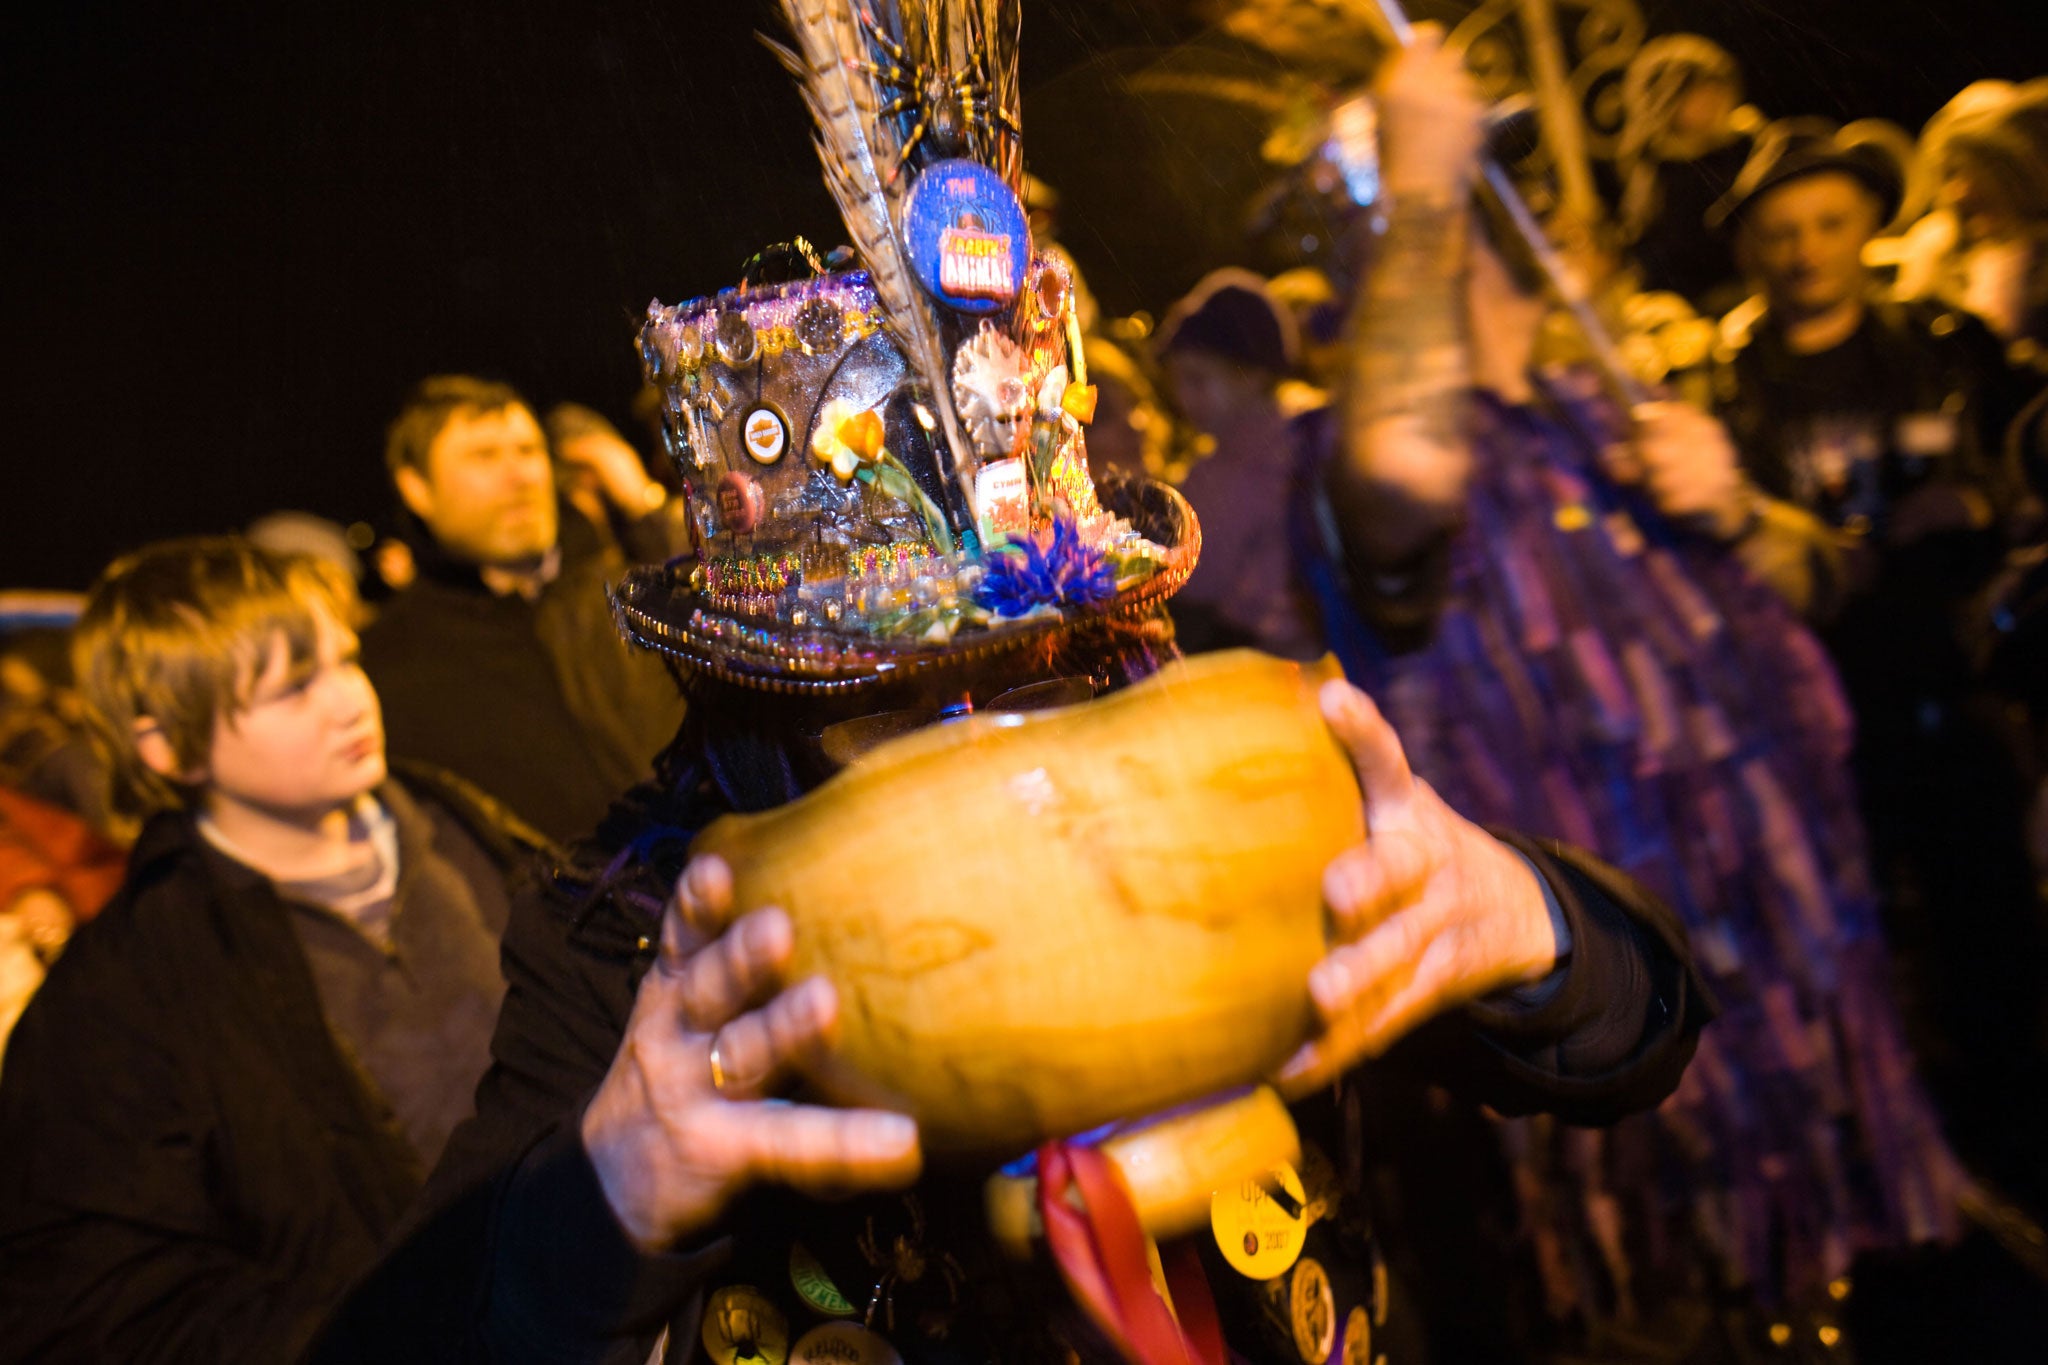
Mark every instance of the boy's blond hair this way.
pixel 177 633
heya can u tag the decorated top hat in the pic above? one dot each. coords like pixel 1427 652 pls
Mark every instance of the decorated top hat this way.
pixel 885 463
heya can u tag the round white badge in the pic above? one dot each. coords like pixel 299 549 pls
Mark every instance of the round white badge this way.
pixel 742 1327
pixel 765 435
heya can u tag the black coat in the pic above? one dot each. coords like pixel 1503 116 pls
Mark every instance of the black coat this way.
pixel 1916 357
pixel 191 1167
pixel 521 1260
pixel 539 703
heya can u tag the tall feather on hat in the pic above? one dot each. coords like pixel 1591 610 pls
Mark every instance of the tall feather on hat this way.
pixel 891 88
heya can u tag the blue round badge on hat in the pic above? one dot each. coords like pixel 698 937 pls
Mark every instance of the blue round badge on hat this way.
pixel 968 239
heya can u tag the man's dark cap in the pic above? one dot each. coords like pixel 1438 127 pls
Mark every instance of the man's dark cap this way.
pixel 1796 149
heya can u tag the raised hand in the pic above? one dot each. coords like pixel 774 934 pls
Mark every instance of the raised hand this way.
pixel 603 456
pixel 682 1123
pixel 1432 120
pixel 1686 461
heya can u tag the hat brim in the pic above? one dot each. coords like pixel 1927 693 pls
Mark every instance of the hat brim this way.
pixel 655 607
pixel 1865 164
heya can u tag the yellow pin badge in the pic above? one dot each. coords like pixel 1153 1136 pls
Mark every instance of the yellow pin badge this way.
pixel 1312 1312
pixel 1260 1224
pixel 1357 1340
pixel 742 1327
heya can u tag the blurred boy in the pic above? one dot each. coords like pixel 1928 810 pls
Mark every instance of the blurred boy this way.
pixel 231 1084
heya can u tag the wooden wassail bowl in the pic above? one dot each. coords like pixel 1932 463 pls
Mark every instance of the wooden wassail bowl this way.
pixel 1042 923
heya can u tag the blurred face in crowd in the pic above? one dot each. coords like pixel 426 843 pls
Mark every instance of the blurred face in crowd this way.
pixel 1983 208
pixel 1122 426
pixel 486 491
pixel 1216 393
pixel 1591 261
pixel 1704 108
pixel 1804 241
pixel 310 737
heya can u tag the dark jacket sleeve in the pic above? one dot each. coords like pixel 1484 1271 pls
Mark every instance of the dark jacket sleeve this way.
pixel 1611 1037
pixel 116 1236
pixel 1400 600
pixel 515 1256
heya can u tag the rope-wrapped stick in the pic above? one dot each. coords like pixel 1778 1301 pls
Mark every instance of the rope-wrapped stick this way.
pixel 1498 187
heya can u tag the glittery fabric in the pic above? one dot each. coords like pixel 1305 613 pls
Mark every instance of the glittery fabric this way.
pixel 1597 677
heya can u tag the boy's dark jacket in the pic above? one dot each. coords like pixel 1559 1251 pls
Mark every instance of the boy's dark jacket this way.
pixel 191 1168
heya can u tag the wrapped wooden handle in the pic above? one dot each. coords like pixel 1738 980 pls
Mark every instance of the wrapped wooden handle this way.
pixel 1171 1168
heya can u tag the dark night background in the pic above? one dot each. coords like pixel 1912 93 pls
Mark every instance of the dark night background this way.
pixel 235 234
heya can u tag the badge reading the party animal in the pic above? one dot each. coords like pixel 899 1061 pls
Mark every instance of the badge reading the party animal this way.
pixel 765 434
pixel 967 236
pixel 843 1343
pixel 741 1327
pixel 814 1286
pixel 1256 1234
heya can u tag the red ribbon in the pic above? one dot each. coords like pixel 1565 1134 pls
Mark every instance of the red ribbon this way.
pixel 1100 1250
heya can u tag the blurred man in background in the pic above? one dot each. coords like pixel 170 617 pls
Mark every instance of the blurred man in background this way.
pixel 1886 420
pixel 499 662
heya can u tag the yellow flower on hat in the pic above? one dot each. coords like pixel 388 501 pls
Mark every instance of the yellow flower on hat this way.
pixel 847 437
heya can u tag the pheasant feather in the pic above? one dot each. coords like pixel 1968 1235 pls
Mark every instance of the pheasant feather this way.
pixel 836 65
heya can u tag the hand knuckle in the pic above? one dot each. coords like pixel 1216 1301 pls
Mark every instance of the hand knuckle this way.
pixel 1344 879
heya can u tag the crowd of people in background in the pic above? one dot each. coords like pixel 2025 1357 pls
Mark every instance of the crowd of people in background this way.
pixel 1836 466
pixel 1773 641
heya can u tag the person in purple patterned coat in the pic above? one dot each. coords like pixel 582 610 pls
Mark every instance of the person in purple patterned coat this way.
pixel 1488 559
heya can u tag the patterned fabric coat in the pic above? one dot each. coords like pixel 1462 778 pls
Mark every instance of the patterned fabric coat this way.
pixel 1597 675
